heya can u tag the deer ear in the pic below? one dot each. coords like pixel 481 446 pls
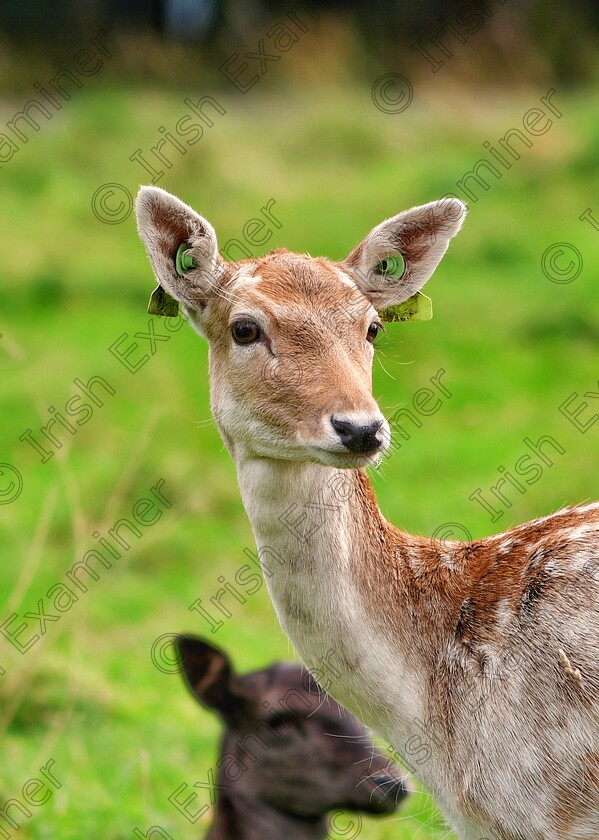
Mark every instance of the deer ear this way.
pixel 209 676
pixel 166 225
pixel 398 256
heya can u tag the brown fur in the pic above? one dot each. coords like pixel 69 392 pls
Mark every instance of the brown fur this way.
pixel 497 637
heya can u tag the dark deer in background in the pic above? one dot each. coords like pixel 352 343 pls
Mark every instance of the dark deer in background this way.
pixel 289 753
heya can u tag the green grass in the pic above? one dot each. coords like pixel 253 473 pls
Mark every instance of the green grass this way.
pixel 514 346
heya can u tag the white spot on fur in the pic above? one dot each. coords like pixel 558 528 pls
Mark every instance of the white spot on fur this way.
pixel 345 278
pixel 567 666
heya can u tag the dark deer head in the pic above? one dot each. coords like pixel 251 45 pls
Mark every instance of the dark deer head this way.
pixel 289 753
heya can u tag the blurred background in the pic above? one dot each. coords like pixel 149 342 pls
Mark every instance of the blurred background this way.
pixel 339 115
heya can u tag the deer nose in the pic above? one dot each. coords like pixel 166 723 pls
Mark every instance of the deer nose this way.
pixel 391 787
pixel 357 438
pixel 389 792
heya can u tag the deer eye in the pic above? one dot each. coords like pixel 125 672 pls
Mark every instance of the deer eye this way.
pixel 245 332
pixel 373 330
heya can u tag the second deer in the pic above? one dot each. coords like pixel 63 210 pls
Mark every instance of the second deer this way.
pixel 289 753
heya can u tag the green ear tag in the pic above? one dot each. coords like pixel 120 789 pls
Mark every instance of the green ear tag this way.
pixel 184 261
pixel 417 308
pixel 393 267
pixel 161 303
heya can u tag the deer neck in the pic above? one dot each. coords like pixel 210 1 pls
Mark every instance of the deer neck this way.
pixel 331 561
pixel 245 817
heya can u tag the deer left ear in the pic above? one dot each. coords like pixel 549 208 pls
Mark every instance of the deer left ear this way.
pixel 183 250
pixel 209 675
pixel 398 256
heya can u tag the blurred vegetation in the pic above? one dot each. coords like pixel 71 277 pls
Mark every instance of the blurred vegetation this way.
pixel 507 42
pixel 513 344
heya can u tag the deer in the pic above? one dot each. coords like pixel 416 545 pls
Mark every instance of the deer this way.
pixel 290 757
pixel 477 660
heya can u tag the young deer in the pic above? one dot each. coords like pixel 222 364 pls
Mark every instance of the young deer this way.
pixel 289 753
pixel 478 661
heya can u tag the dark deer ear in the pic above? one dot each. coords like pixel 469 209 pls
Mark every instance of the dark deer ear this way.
pixel 209 676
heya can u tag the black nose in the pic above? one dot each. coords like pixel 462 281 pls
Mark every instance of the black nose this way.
pixel 358 438
pixel 388 792
pixel 390 786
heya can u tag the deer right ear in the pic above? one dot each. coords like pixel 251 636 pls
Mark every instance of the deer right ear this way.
pixel 398 256
pixel 209 676
pixel 181 245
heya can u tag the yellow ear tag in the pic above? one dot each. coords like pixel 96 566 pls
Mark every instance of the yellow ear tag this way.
pixel 417 308
pixel 161 303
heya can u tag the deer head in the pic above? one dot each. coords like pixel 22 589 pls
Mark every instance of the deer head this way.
pixel 287 745
pixel 291 336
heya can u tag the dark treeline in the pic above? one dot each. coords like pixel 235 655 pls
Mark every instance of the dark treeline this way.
pixel 563 34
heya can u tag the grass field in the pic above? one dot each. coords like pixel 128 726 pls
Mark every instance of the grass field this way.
pixel 513 344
